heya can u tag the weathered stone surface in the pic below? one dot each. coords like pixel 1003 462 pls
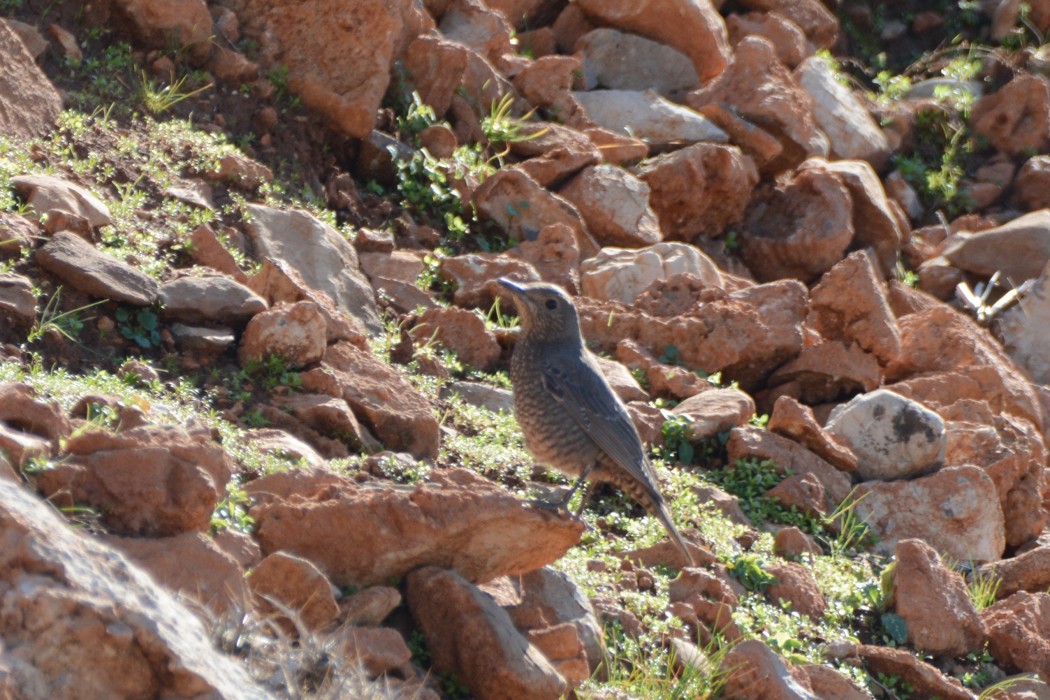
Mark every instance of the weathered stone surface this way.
pixel 798 227
pixel 472 636
pixel 442 70
pixel 693 27
pixel 477 26
pixel 615 205
pixel 816 20
pixel 946 355
pixel 764 92
pixel 378 649
pixel 955 510
pixel 461 331
pixel 379 395
pixel 934 603
pixel 927 681
pixel 651 118
pixel 842 115
pixel 828 371
pixel 789 40
pixel 369 607
pixel 282 582
pixel 620 61
pixel 155 480
pixel 1019 630
pixel 850 304
pixel 29 102
pixel 473 276
pixel 77 263
pixel 892 436
pixel 215 298
pixel 829 684
pixel 796 421
pixel 795 585
pixel 792 543
pixel 699 191
pixel 294 332
pixel 17 301
pixel 319 254
pixel 90 624
pixel 338 54
pixel 617 274
pixel 716 411
pixel 481 394
pixel 1031 187
pixel 745 334
pixel 459 521
pixel 516 203
pixel 20 409
pixel 192 565
pixel 803 492
pixel 187 23
pixel 749 441
pixel 753 670
pixel 1019 249
pixel 1016 118
pixel 551 153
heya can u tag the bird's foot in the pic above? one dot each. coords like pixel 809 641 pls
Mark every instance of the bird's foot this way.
pixel 548 505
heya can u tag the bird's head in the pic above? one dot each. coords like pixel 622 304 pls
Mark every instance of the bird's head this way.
pixel 547 313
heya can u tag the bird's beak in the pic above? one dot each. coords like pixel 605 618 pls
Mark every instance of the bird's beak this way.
pixel 517 289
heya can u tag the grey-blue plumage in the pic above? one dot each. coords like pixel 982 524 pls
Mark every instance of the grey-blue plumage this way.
pixel 571 418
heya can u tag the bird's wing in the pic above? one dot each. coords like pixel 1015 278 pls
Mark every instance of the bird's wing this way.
pixel 583 392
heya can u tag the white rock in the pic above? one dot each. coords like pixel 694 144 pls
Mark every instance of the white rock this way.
pixel 620 61
pixel 893 437
pixel 323 258
pixel 1025 330
pixel 621 275
pixel 615 205
pixel 647 116
pixel 842 115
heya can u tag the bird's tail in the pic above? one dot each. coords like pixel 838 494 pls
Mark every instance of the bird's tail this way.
pixel 663 514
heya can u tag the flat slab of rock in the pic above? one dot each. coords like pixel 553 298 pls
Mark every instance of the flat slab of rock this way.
pixel 128 637
pixel 47 192
pixel 1019 249
pixel 652 118
pixel 17 300
pixel 363 535
pixel 80 265
pixel 622 61
pixel 622 274
pixel 319 254
pixel 214 298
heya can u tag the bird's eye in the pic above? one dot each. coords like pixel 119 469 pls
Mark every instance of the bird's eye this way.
pixel 552 304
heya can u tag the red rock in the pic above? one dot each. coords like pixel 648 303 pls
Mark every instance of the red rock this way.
pixel 1026 571
pixel 186 23
pixel 459 520
pixel 787 38
pixel 190 564
pixel 615 205
pixel 954 510
pixel 792 543
pixel 748 441
pixel 828 371
pixel 155 480
pixel 91 624
pixel 1018 630
pixel 1015 118
pixel 21 410
pixel 850 304
pixel 378 649
pixel 616 148
pixel 696 29
pixel 829 684
pixel 1031 188
pixel 370 606
pixel 551 153
pixel 461 331
pixel 699 191
pixel 380 397
pixel 620 274
pixel 240 546
pixel 285 584
pixel 77 263
pixel 816 20
pixel 802 492
pixel 795 585
pixel 206 249
pixel 753 670
pixel 469 634
pixel 934 603
pixel 745 334
pixel 554 255
pixel 34 103
pixel 796 421
pixel 763 91
pixel 798 227
pixel 473 276
pixel 716 411
pixel 926 680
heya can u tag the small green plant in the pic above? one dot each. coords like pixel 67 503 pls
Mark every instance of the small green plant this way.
pixel 232 511
pixel 272 372
pixel 676 432
pixel 749 480
pixel 68 324
pixel 496 318
pixel 853 532
pixel 747 568
pixel 501 128
pixel 141 325
pixel 894 686
pixel 982 587
pixel 158 99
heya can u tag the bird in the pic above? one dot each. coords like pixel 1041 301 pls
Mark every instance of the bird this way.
pixel 570 416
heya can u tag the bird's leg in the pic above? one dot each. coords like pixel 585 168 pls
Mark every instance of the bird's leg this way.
pixel 564 502
pixel 586 497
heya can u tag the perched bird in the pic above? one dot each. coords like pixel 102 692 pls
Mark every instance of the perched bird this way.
pixel 570 416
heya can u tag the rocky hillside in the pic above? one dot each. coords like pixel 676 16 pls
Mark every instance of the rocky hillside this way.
pixel 256 436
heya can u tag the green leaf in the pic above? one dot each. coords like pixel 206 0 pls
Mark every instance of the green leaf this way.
pixel 896 626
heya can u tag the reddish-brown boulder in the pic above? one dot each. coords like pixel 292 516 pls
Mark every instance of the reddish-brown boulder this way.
pixel 296 333
pixel 284 585
pixel 1018 632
